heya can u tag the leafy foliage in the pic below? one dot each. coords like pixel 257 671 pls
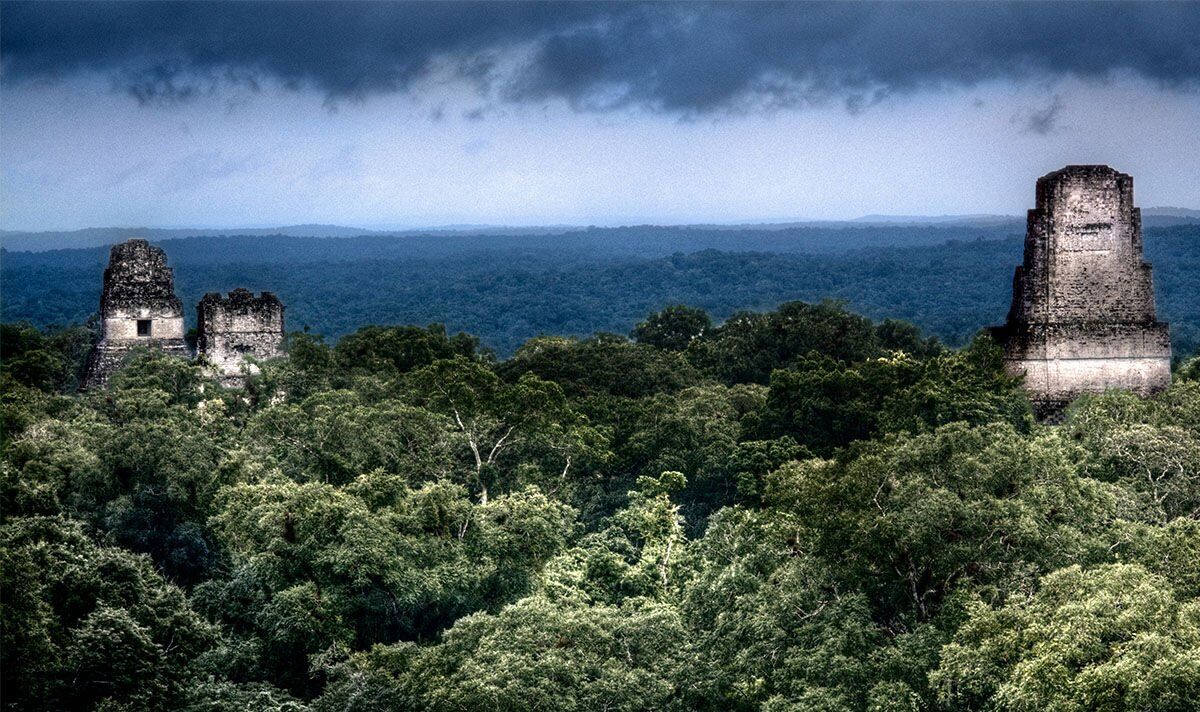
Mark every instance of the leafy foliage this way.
pixel 90 626
pixel 507 290
pixel 794 510
pixel 1113 637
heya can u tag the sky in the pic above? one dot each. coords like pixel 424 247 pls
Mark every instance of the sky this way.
pixel 406 115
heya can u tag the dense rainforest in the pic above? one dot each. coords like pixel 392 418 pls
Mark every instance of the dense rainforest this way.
pixel 508 289
pixel 797 509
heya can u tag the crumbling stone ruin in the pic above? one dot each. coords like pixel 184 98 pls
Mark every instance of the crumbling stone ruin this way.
pixel 138 308
pixel 237 326
pixel 1082 317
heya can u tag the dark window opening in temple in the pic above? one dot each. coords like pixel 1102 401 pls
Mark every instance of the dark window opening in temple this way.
pixel 143 327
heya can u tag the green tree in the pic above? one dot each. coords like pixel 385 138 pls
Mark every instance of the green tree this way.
pixel 50 361
pixel 224 696
pixel 87 626
pixel 769 623
pixel 1111 638
pixel 896 335
pixel 749 346
pixel 1149 447
pixel 637 552
pixel 309 368
pixel 1171 551
pixel 493 418
pixel 694 432
pixel 535 654
pixel 142 460
pixel 672 329
pixel 334 436
pixel 181 381
pixel 969 385
pixel 754 460
pixel 910 518
pixel 391 351
pixel 601 365
pixel 1188 370
pixel 319 567
pixel 825 404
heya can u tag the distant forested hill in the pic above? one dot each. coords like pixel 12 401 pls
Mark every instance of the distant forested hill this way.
pixel 506 289
pixel 797 234
pixel 632 241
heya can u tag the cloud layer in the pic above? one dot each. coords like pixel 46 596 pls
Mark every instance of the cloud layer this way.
pixel 685 59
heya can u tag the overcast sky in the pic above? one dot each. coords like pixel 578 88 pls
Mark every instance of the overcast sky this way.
pixel 373 114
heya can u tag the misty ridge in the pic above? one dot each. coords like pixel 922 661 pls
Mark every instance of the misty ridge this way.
pixel 299 244
pixel 948 280
pixel 803 236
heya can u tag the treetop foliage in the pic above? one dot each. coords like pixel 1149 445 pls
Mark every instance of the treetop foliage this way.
pixel 507 290
pixel 800 509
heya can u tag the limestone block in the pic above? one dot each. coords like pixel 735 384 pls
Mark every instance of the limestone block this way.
pixel 1082 318
pixel 238 326
pixel 138 308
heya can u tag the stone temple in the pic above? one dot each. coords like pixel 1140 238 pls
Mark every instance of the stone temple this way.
pixel 138 308
pixel 237 326
pixel 1082 317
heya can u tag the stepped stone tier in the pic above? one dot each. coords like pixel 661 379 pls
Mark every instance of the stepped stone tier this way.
pixel 235 327
pixel 1082 317
pixel 138 308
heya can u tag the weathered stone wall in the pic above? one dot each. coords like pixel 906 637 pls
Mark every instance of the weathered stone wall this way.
pixel 123 324
pixel 239 326
pixel 1082 318
pixel 138 287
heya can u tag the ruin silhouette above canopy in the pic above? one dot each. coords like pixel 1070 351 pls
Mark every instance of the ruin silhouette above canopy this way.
pixel 1082 318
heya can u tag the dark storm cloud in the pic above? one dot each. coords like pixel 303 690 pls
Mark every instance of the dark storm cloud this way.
pixel 676 58
pixel 1045 120
pixel 168 50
